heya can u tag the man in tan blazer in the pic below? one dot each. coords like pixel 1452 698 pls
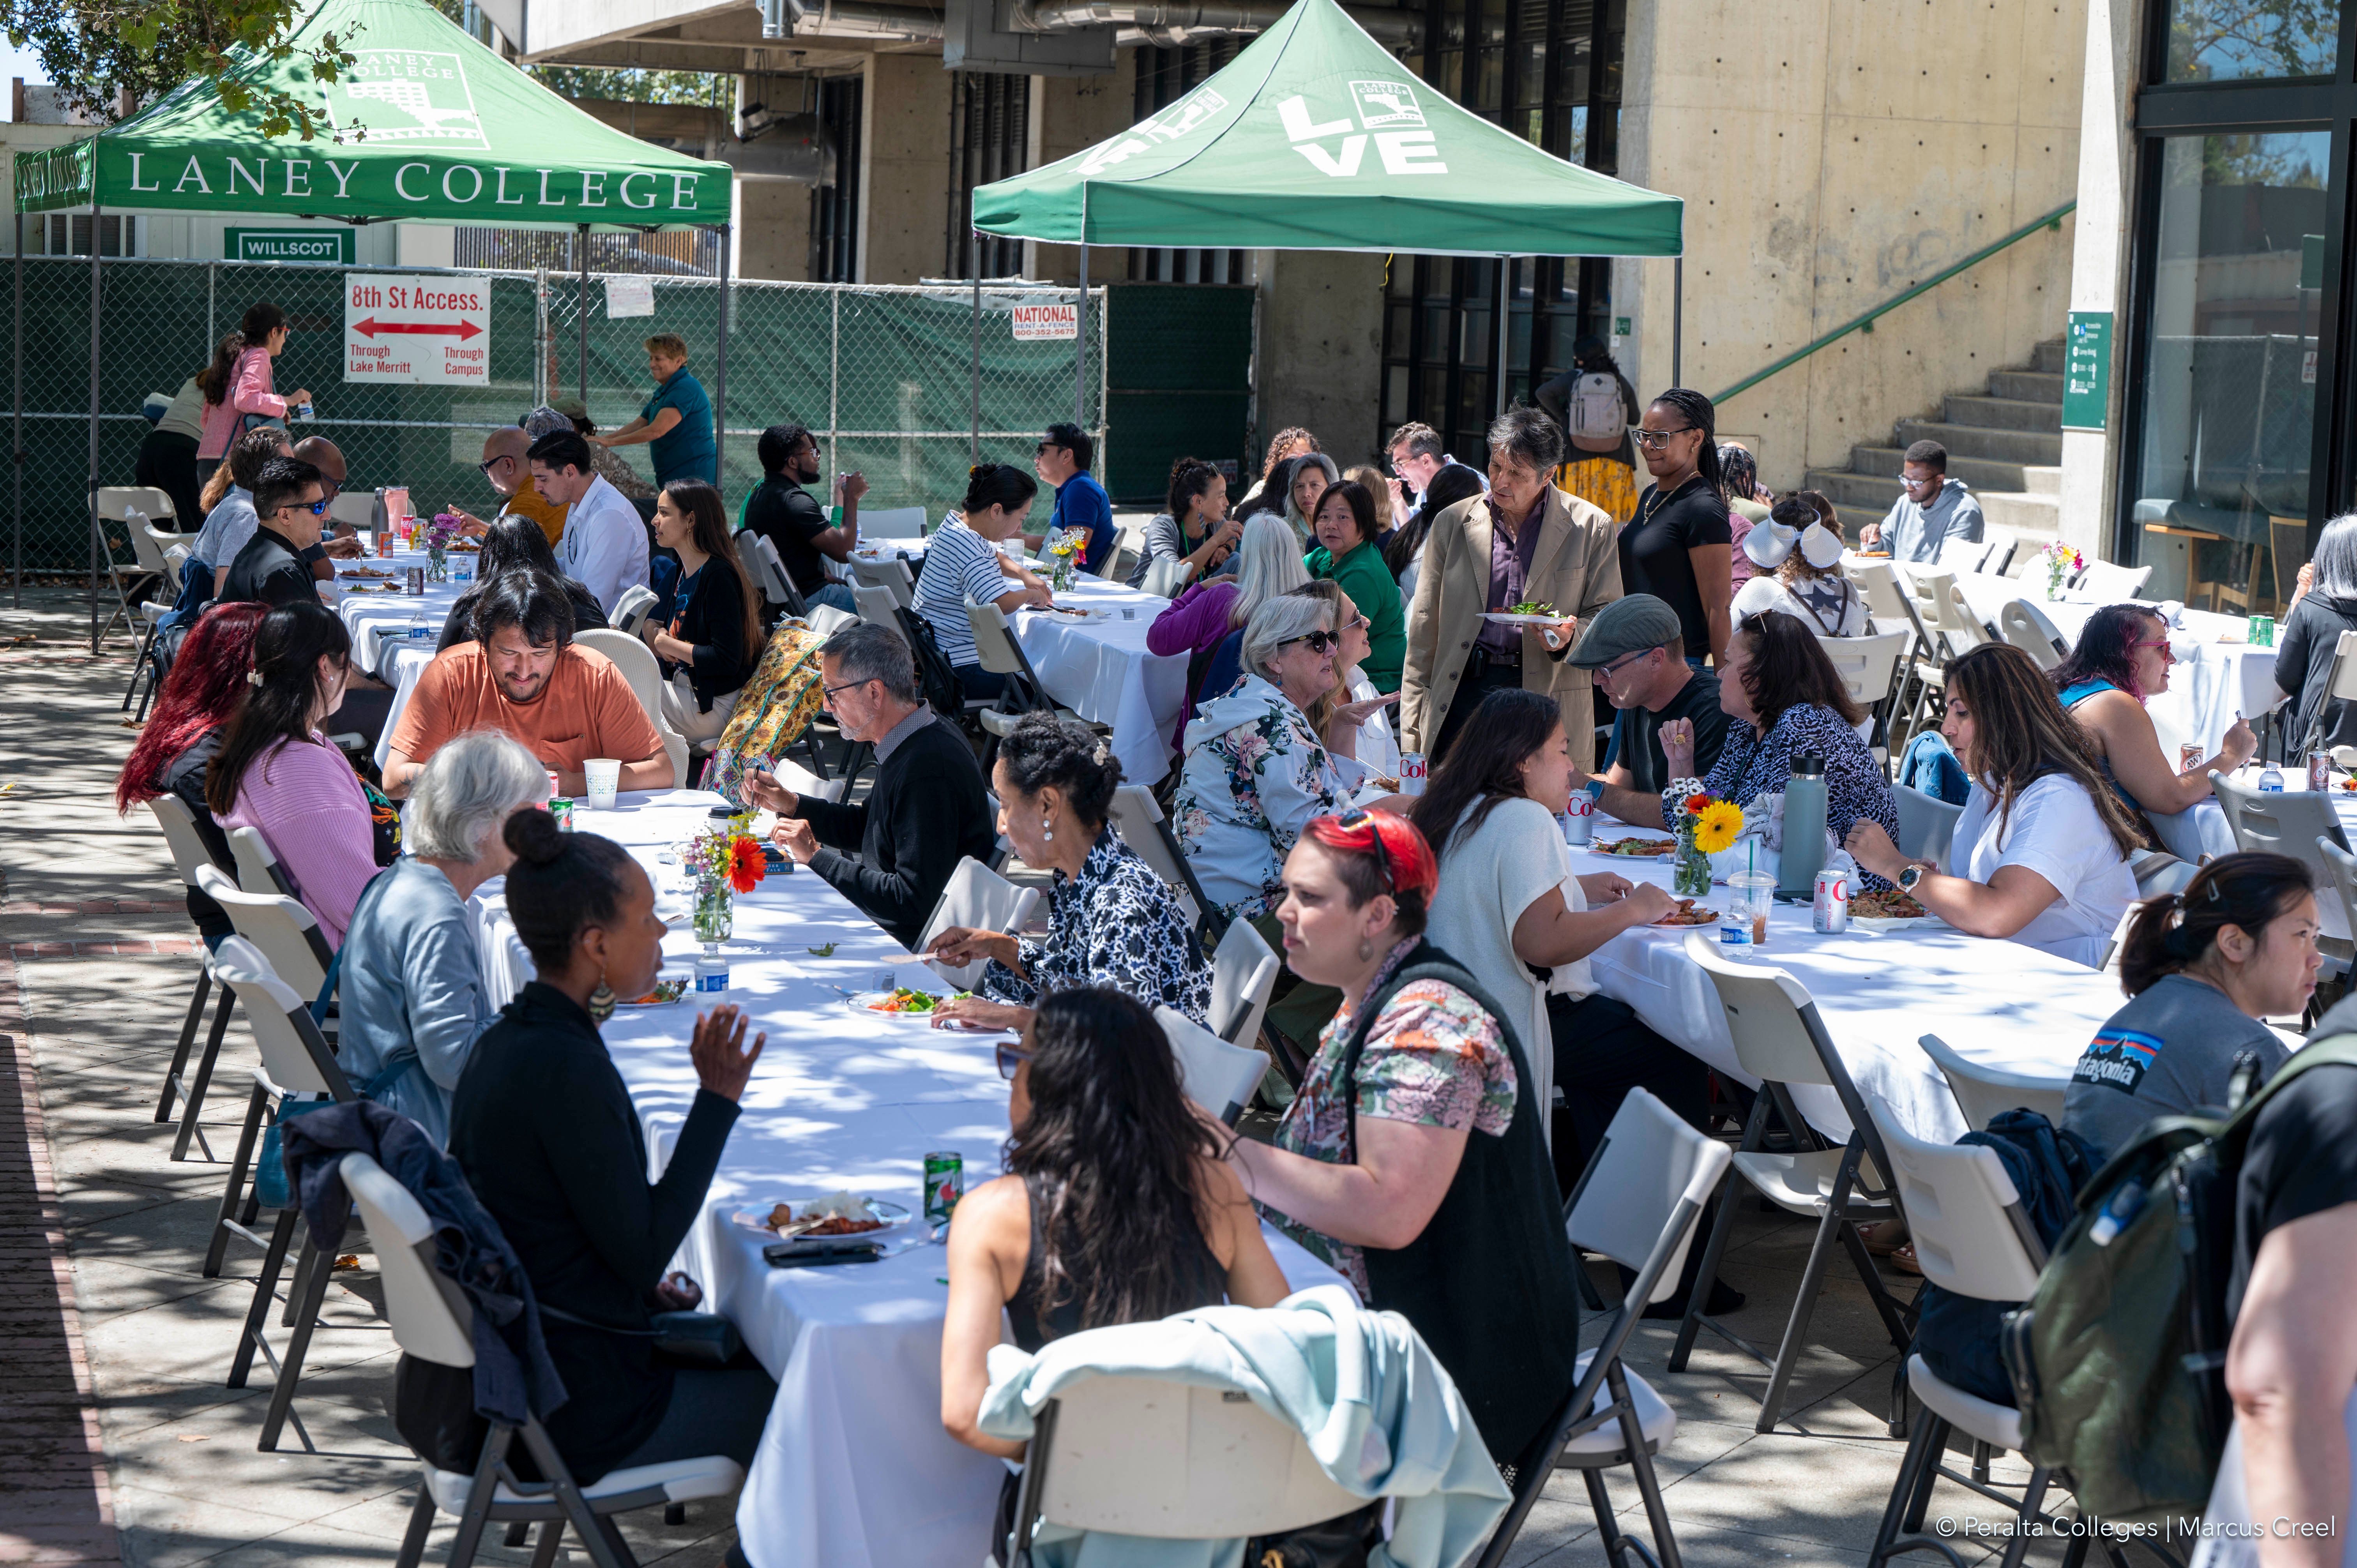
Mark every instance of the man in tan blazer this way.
pixel 1553 548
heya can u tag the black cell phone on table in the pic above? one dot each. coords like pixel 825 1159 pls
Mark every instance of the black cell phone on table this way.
pixel 823 1253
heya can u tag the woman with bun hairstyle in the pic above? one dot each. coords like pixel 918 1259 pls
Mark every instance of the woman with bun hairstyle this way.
pixel 1111 922
pixel 2202 968
pixel 963 562
pixel 1197 531
pixel 1413 1157
pixel 545 1130
pixel 236 384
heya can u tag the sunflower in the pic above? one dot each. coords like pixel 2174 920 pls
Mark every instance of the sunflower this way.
pixel 1717 825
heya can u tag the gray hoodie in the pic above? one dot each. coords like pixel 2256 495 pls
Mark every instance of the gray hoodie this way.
pixel 1912 533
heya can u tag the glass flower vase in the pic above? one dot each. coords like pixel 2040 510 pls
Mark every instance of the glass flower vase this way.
pixel 438 565
pixel 715 913
pixel 1690 871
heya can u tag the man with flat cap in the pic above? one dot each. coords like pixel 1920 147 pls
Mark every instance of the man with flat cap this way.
pixel 1636 651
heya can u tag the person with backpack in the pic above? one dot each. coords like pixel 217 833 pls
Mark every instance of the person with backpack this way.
pixel 2202 968
pixel 1597 408
pixel 963 562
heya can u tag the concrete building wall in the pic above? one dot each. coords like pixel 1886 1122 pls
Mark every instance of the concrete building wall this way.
pixel 904 190
pixel 1832 155
pixel 775 217
pixel 2099 276
pixel 1319 359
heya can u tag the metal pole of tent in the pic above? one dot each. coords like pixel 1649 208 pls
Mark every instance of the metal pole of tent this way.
pixel 581 310
pixel 1677 321
pixel 1505 292
pixel 1080 345
pixel 17 368
pixel 720 365
pixel 974 438
pixel 95 537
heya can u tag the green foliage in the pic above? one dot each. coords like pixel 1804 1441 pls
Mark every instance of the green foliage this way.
pixel 687 86
pixel 97 51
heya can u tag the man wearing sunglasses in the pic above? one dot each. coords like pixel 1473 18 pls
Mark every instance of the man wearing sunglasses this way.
pixel 291 502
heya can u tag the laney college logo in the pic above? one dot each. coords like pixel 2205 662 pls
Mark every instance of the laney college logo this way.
pixel 414 96
pixel 1388 116
pixel 1188 114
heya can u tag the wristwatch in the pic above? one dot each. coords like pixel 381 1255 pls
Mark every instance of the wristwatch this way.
pixel 1909 878
pixel 1594 789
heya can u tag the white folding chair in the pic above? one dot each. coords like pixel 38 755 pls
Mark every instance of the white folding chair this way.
pixel 630 611
pixel 1780 1039
pixel 1164 577
pixel 1972 1236
pixel 1927 824
pixel 1891 606
pixel 2157 871
pixel 1118 564
pixel 354 509
pixel 258 870
pixel 997 650
pixel 123 511
pixel 433 1320
pixel 1983 1093
pixel 879 607
pixel 891 574
pixel 280 926
pixel 2003 542
pixel 188 854
pixel 2107 583
pixel 893 522
pixel 1868 666
pixel 1219 1076
pixel 826 621
pixel 1140 824
pixel 2291 822
pixel 1963 554
pixel 761 556
pixel 295 1063
pixel 2019 626
pixel 637 663
pixel 1636 1203
pixel 2341 890
pixel 156 556
pixel 980 899
pixel 1243 977
pixel 1963 629
pixel 1174 1461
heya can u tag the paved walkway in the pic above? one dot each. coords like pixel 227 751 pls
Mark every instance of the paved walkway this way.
pixel 94 970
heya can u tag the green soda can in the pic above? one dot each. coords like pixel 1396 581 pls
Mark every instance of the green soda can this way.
pixel 945 1184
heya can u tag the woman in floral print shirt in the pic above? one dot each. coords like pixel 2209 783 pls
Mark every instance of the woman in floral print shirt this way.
pixel 1413 1157
pixel 1255 771
pixel 1111 920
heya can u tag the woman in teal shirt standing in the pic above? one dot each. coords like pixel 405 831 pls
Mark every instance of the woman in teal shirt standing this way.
pixel 1344 525
pixel 676 423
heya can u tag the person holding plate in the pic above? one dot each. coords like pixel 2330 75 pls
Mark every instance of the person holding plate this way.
pixel 1111 922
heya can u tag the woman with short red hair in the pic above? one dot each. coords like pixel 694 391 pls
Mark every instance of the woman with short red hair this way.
pixel 1413 1157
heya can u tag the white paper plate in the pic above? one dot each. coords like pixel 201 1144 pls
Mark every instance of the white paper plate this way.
pixel 896 1218
pixel 1500 617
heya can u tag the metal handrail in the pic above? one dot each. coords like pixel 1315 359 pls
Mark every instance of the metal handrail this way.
pixel 1865 323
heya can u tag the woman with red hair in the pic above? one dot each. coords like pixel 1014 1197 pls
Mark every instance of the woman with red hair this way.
pixel 1413 1157
pixel 207 682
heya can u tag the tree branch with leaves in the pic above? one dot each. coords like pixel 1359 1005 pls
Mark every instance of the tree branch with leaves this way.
pixel 110 57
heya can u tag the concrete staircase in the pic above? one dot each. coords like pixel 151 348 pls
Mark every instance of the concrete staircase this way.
pixel 2006 443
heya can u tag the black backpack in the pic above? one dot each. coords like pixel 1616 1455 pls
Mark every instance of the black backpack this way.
pixel 934 674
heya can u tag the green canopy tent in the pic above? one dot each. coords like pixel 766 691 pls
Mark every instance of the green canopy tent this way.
pixel 1315 138
pixel 433 128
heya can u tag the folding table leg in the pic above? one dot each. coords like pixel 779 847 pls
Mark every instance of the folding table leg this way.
pixel 188 1041
pixel 193 1103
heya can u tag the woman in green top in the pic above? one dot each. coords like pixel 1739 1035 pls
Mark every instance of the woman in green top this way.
pixel 1344 523
pixel 676 423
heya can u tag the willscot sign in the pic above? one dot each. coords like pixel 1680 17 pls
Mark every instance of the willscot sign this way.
pixel 424 330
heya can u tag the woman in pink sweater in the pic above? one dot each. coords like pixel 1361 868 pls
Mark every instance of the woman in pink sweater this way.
pixel 1269 562
pixel 275 773
pixel 238 384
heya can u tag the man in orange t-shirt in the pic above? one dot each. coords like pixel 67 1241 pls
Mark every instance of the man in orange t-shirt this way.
pixel 522 675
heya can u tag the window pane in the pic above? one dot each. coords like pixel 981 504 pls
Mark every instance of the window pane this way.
pixel 2224 40
pixel 2229 420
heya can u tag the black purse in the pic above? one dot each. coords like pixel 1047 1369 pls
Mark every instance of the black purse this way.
pixel 1345 1541
pixel 697 1338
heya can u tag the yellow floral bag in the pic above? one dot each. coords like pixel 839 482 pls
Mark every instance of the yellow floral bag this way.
pixel 774 709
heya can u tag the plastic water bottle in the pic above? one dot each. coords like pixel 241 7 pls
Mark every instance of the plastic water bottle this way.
pixel 420 632
pixel 711 970
pixel 2271 781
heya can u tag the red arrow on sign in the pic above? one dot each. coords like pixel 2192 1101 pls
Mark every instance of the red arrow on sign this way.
pixel 461 330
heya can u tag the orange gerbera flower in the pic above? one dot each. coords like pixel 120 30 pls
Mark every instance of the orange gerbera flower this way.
pixel 746 864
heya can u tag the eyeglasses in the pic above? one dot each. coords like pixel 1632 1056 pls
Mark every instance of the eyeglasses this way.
pixel 847 685
pixel 1356 623
pixel 488 463
pixel 2168 654
pixel 1909 482
pixel 1649 439
pixel 1321 641
pixel 1351 821
pixel 1618 665
pixel 1010 1058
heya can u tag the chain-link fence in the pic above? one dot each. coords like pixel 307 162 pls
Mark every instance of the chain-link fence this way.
pixel 880 374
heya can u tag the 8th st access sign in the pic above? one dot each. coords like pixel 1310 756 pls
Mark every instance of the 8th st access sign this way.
pixel 423 330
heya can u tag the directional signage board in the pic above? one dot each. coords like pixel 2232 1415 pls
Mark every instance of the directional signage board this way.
pixel 423 329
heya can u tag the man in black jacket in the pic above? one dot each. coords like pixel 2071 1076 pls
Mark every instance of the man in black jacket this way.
pixel 926 810
pixel 275 566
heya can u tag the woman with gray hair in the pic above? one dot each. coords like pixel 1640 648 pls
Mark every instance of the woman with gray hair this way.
pixel 412 1000
pixel 1206 622
pixel 2324 608
pixel 1312 474
pixel 1255 770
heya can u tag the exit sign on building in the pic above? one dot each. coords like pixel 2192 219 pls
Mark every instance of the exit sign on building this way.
pixel 338 245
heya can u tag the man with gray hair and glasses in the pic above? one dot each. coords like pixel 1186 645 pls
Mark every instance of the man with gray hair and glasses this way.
pixel 926 810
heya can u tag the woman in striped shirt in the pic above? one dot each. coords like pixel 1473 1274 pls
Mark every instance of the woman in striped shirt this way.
pixel 963 564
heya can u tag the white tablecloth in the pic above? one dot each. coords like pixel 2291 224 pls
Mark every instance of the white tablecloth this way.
pixel 853 1469
pixel 1997 1003
pixel 1100 670
pixel 376 619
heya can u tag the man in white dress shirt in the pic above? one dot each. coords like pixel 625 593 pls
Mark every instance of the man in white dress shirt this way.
pixel 605 545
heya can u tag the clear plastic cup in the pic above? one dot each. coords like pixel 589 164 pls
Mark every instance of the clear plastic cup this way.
pixel 605 776
pixel 1750 895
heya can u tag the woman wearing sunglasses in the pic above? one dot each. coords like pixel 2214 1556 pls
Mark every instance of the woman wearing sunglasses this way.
pixel 1413 1156
pixel 1111 922
pixel 2122 662
pixel 1354 723
pixel 1116 1207
pixel 1255 769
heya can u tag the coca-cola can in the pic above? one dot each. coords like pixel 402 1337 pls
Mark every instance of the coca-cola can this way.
pixel 1579 820
pixel 2319 772
pixel 1412 773
pixel 1829 909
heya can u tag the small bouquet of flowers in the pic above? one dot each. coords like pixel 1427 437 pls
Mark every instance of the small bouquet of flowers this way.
pixel 2063 562
pixel 724 864
pixel 1704 825
pixel 1063 552
pixel 440 533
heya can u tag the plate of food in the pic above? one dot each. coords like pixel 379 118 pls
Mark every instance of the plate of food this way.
pixel 370 571
pixel 464 547
pixel 901 1001
pixel 668 989
pixel 1888 909
pixel 1638 847
pixel 1686 914
pixel 1529 612
pixel 819 1220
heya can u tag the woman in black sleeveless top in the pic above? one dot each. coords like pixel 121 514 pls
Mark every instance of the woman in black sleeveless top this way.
pixel 1116 1207
pixel 1412 1156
